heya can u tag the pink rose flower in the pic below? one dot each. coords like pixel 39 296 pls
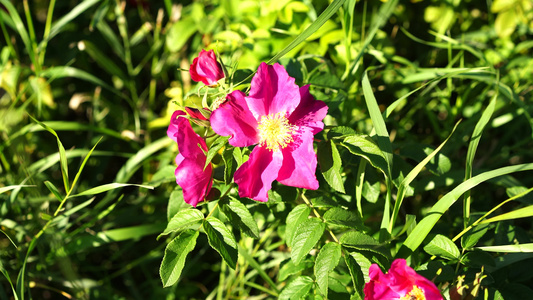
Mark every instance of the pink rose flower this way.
pixel 281 119
pixel 205 68
pixel 190 174
pixel 402 283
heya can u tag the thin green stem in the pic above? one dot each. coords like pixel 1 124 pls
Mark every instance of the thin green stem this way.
pixel 317 214
pixel 47 27
pixel 490 212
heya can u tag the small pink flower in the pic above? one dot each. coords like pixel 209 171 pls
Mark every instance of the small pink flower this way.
pixel 281 119
pixel 401 283
pixel 205 68
pixel 190 174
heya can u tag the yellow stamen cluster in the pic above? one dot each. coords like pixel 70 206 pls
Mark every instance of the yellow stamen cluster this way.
pixel 275 132
pixel 415 294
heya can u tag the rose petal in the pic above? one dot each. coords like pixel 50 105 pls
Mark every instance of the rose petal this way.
pixel 255 176
pixel 235 119
pixel 310 112
pixel 175 124
pixel 299 163
pixel 206 68
pixel 272 91
pixel 195 182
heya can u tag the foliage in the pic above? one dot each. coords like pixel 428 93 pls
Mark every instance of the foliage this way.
pixel 426 154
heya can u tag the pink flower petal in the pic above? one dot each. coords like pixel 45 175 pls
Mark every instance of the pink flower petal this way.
pixel 190 174
pixel 310 112
pixel 175 123
pixel 255 176
pixel 299 163
pixel 272 91
pixel 205 68
pixel 235 119
pixel 195 182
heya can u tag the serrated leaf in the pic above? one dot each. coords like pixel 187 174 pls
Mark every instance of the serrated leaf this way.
pixel 229 165
pixel 297 289
pixel 182 220
pixel 471 238
pixel 326 260
pixel 330 165
pixel 365 147
pixel 340 132
pixel 222 240
pixel 360 241
pixel 305 238
pixel 342 217
pixel 220 142
pixel 240 216
pixel 175 255
pixel 478 259
pixel 442 246
pixel 356 271
pixel 297 215
pixel 290 268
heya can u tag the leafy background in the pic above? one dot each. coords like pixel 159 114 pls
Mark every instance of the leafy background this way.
pixel 400 78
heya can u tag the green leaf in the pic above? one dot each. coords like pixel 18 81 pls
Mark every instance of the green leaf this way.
pixel 297 215
pixel 183 219
pixel 239 216
pixel 340 132
pixel 471 238
pixel 342 217
pixel 76 11
pixel 330 165
pixel 365 147
pixel 326 260
pixel 404 185
pixel 229 165
pixel 421 230
pixel 442 246
pixel 521 248
pixel 62 155
pixel 297 289
pixel 324 16
pixel 360 241
pixel 109 186
pixel 305 238
pixel 222 240
pixel 103 60
pixel 289 268
pixel 524 212
pixel 175 255
pixel 179 33
pixel 358 266
pixel 478 259
pixel 12 187
pixel 220 142
pixel 382 135
pixel 53 189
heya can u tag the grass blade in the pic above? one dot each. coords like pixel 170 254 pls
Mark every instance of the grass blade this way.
pixel 423 228
pixel 62 155
pixel 411 176
pixel 324 16
pixel 472 147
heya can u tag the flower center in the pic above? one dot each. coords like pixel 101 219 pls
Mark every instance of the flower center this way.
pixel 415 294
pixel 275 132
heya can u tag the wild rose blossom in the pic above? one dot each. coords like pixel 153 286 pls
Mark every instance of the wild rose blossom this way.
pixel 206 68
pixel 190 174
pixel 401 283
pixel 281 119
